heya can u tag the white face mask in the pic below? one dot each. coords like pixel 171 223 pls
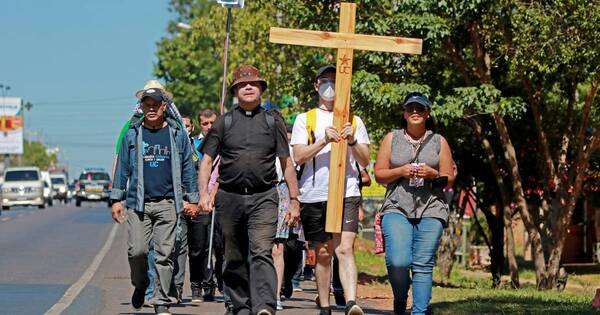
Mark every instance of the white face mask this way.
pixel 327 91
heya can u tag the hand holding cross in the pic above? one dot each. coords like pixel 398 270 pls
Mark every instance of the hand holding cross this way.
pixel 345 41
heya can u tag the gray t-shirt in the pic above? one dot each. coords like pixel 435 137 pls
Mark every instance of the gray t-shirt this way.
pixel 415 202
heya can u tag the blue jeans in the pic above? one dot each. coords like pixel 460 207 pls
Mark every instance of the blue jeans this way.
pixel 411 244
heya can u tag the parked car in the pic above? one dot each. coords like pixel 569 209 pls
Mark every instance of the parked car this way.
pixel 93 185
pixel 59 185
pixel 23 186
pixel 48 189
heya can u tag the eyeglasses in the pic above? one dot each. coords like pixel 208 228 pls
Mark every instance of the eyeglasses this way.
pixel 415 108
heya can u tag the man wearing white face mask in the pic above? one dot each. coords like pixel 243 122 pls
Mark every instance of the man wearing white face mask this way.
pixel 312 136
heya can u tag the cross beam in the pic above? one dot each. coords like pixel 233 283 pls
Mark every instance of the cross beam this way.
pixel 345 41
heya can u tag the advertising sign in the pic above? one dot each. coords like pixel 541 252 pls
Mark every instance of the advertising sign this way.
pixel 11 125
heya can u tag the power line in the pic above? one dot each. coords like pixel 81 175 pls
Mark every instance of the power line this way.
pixel 97 100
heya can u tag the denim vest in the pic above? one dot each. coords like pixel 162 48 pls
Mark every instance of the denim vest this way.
pixel 129 172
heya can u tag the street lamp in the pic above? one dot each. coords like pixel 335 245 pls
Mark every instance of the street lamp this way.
pixel 231 3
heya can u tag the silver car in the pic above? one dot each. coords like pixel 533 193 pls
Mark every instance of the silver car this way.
pixel 23 186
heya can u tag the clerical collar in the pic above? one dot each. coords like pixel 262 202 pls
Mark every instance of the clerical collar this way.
pixel 249 112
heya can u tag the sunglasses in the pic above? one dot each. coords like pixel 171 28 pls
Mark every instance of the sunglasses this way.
pixel 415 108
pixel 326 80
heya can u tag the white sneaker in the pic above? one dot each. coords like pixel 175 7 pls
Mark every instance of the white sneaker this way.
pixel 279 305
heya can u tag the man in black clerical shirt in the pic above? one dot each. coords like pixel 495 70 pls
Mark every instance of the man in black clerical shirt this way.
pixel 248 139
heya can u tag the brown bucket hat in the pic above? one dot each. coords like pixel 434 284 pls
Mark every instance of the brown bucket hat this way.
pixel 247 73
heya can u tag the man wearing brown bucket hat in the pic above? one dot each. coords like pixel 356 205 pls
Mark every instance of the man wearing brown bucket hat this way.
pixel 248 138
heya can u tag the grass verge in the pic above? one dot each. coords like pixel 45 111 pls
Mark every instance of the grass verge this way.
pixel 470 292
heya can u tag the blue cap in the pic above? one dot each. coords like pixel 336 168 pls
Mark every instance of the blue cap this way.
pixel 417 97
pixel 324 69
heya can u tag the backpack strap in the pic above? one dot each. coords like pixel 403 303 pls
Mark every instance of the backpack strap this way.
pixel 311 125
pixel 227 120
pixel 270 121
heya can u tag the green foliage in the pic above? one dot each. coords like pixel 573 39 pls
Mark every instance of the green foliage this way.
pixel 34 154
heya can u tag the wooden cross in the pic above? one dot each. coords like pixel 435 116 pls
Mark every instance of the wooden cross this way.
pixel 345 41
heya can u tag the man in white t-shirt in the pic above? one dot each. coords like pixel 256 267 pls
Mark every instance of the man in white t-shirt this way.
pixel 312 150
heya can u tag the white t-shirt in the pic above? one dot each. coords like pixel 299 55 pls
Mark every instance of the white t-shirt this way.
pixel 318 192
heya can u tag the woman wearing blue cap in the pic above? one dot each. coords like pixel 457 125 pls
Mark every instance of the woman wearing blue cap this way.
pixel 416 164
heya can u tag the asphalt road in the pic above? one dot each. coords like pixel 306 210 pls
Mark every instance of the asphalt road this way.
pixel 75 260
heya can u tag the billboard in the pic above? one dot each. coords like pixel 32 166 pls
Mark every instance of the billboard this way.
pixel 11 125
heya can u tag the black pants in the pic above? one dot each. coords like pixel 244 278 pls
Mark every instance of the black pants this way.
pixel 249 224
pixel 292 257
pixel 198 230
pixel 219 254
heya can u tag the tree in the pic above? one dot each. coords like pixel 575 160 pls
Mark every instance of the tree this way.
pixel 34 154
pixel 490 67
pixel 555 57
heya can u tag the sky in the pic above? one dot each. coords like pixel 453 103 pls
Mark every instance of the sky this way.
pixel 79 63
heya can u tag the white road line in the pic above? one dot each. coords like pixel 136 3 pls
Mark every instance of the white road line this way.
pixel 76 287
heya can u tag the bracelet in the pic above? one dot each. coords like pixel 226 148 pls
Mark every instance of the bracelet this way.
pixel 353 143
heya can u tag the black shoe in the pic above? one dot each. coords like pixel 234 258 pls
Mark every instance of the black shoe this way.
pixel 325 311
pixel 340 301
pixel 353 309
pixel 287 290
pixel 399 307
pixel 196 295
pixel 209 294
pixel 161 310
pixel 137 298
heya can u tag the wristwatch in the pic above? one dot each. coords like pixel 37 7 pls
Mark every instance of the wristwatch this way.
pixel 353 143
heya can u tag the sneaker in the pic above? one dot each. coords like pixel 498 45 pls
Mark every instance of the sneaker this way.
pixel 325 311
pixel 297 289
pixel 353 309
pixel 229 310
pixel 209 294
pixel 137 298
pixel 279 305
pixel 264 311
pixel 287 291
pixel 196 296
pixel 161 310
